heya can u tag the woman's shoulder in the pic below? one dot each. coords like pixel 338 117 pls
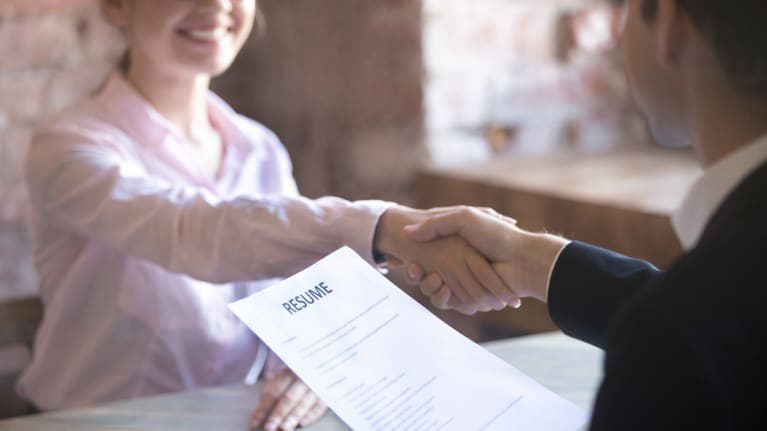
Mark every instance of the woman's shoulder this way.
pixel 84 117
pixel 113 109
pixel 80 132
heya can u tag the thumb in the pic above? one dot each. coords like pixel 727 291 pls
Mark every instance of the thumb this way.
pixel 435 227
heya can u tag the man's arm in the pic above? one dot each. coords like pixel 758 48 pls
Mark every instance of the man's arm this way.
pixel 583 285
pixel 589 285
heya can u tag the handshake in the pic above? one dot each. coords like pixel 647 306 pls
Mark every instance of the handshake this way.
pixel 468 259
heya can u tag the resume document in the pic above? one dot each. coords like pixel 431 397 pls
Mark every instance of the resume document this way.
pixel 381 361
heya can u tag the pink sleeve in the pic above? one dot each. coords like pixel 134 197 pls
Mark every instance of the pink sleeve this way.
pixel 91 189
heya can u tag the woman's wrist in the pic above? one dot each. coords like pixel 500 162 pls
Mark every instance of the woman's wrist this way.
pixel 388 233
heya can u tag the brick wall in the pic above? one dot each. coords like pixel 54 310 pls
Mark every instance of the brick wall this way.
pixel 340 81
pixel 52 53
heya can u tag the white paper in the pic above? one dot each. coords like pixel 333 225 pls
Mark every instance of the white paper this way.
pixel 381 361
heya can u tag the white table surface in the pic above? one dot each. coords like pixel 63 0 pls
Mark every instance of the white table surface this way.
pixel 566 366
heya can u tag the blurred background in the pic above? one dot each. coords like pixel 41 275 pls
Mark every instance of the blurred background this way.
pixel 521 105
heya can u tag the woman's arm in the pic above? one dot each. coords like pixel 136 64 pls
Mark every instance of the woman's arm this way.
pixel 91 189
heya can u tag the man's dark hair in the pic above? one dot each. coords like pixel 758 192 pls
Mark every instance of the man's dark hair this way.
pixel 736 30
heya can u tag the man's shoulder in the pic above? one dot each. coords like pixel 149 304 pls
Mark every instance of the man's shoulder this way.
pixel 714 276
pixel 729 265
pixel 713 299
pixel 704 319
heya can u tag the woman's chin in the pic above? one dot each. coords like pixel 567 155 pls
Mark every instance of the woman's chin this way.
pixel 212 67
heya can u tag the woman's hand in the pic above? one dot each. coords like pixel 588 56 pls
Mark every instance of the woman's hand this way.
pixel 470 277
pixel 523 260
pixel 286 403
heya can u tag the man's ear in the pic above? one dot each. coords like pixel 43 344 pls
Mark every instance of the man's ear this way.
pixel 670 25
pixel 116 11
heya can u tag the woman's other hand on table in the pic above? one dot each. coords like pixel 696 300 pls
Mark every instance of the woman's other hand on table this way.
pixel 286 403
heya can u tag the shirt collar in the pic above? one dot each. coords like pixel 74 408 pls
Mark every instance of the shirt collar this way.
pixel 134 114
pixel 137 117
pixel 712 188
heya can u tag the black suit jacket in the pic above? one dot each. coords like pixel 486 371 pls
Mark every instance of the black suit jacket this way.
pixel 685 349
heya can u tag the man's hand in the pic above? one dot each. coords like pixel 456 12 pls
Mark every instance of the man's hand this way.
pixel 468 274
pixel 522 259
pixel 286 403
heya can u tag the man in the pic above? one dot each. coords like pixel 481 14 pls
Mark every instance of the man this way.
pixel 685 349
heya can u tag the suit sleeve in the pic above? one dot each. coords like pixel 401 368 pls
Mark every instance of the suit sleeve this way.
pixel 588 285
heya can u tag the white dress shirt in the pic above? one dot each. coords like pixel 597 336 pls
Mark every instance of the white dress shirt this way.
pixel 139 251
pixel 712 188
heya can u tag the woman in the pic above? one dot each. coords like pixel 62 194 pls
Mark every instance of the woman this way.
pixel 154 205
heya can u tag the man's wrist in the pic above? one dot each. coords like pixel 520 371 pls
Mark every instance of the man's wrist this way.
pixel 535 257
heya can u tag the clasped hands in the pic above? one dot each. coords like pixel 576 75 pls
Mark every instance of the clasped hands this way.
pixel 468 259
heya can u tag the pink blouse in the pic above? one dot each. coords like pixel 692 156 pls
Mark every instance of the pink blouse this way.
pixel 139 252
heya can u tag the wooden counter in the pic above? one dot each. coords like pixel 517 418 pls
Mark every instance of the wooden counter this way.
pixel 620 200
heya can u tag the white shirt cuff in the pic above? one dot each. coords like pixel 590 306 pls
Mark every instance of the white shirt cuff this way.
pixel 360 232
pixel 553 265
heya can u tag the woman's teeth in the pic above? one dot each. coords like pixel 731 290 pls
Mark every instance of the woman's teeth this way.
pixel 207 35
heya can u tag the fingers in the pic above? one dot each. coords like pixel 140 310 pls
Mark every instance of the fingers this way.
pixel 431 284
pixel 484 300
pixel 272 392
pixel 469 275
pixel 453 222
pixel 492 235
pixel 488 278
pixel 485 274
pixel 462 308
pixel 287 402
pixel 487 210
pixel 453 270
pixel 441 298
pixel 314 414
pixel 494 292
pixel 494 213
pixel 414 274
pixel 458 281
pixel 439 225
pixel 290 402
pixel 299 412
